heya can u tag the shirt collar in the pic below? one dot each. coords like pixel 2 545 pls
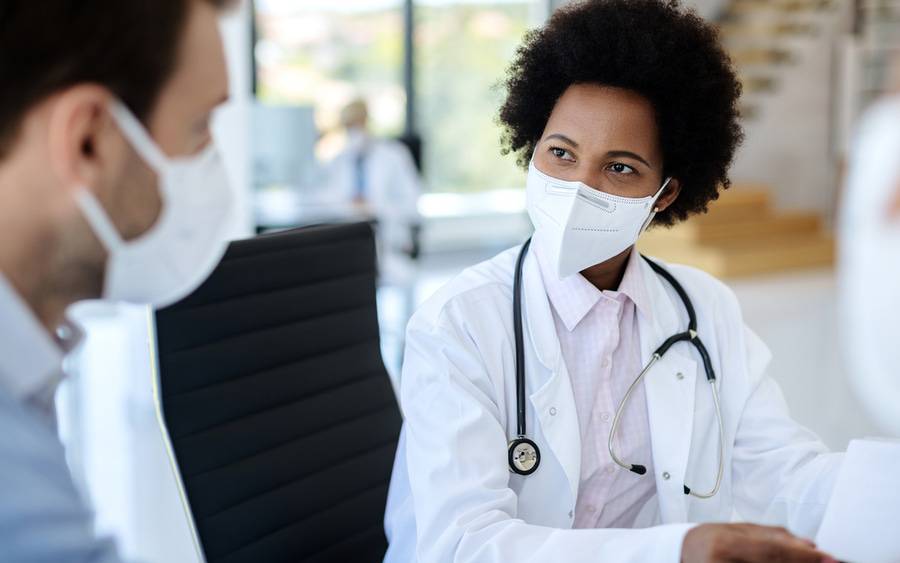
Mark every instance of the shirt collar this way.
pixel 573 297
pixel 30 358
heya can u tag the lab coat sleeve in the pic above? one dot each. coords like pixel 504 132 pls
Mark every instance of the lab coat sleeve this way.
pixel 783 474
pixel 459 478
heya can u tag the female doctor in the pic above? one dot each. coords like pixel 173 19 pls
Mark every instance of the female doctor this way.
pixel 569 400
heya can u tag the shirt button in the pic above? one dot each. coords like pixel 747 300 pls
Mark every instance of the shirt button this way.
pixel 666 475
pixel 610 470
pixel 590 508
pixel 552 411
pixel 605 362
pixel 604 417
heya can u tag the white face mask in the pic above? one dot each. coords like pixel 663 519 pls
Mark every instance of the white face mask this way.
pixel 582 226
pixel 188 239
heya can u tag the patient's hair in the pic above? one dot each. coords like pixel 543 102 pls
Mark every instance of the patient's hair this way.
pixel 655 48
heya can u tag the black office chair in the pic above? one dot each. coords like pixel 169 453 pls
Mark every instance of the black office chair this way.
pixel 280 413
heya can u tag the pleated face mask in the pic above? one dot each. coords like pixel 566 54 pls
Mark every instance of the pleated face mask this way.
pixel 582 226
pixel 187 241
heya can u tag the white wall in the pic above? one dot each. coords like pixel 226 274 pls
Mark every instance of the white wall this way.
pixel 790 145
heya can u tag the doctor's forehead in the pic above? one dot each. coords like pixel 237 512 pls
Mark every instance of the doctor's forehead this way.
pixel 602 118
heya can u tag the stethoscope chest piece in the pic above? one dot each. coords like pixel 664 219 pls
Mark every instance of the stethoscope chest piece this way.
pixel 524 456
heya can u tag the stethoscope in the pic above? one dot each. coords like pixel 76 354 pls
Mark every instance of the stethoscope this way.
pixel 524 455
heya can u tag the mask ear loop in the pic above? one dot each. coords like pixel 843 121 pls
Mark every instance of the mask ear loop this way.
pixel 98 219
pixel 138 136
pixel 653 213
pixel 93 211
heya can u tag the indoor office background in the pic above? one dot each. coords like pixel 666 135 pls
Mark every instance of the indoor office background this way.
pixel 430 71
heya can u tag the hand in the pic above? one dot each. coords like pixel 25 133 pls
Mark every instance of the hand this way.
pixel 747 543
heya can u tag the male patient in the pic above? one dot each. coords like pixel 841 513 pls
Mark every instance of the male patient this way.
pixel 108 188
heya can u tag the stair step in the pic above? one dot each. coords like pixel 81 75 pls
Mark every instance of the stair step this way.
pixel 783 227
pixel 741 7
pixel 747 29
pixel 758 56
pixel 739 203
pixel 757 84
pixel 749 257
pixel 748 111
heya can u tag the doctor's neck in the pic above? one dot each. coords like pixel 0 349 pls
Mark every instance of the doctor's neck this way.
pixel 608 275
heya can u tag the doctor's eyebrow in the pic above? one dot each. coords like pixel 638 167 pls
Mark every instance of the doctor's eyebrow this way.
pixel 562 138
pixel 628 154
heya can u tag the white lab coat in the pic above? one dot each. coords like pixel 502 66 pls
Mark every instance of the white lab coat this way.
pixel 393 184
pixel 393 187
pixel 453 498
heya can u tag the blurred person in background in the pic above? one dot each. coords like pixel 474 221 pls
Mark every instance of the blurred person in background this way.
pixel 110 188
pixel 379 178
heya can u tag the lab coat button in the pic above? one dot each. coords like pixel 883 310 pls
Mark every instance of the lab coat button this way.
pixel 679 375
pixel 571 513
pixel 666 475
pixel 552 411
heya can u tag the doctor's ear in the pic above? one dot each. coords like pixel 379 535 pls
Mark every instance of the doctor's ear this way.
pixel 86 148
pixel 669 195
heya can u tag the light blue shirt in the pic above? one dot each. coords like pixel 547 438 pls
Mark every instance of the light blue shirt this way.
pixel 43 518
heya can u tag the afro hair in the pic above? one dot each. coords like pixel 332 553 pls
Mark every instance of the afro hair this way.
pixel 655 48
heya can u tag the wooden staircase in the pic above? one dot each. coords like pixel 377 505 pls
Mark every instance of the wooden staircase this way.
pixel 743 235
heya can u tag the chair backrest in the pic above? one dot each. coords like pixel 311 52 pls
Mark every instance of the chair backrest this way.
pixel 278 407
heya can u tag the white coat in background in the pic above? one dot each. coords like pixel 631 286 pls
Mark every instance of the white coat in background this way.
pixel 393 184
pixel 453 498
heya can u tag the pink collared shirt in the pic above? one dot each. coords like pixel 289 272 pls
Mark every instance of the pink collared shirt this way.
pixel 598 333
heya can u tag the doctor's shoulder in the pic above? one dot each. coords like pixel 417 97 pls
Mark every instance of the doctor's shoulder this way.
pixel 485 288
pixel 718 304
pixel 706 290
pixel 464 328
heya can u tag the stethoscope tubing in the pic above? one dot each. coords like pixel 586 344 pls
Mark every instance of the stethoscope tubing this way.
pixel 689 336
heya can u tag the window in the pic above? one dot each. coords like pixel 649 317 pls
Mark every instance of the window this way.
pixel 325 54
pixel 463 49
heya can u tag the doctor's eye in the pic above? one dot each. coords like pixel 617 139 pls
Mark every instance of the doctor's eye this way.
pixel 620 168
pixel 562 154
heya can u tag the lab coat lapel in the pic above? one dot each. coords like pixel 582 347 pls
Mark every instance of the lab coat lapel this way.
pixel 669 387
pixel 550 389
